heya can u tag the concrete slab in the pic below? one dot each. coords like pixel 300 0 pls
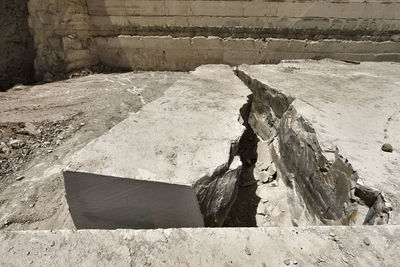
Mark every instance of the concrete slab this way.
pixel 351 109
pixel 171 165
pixel 69 114
pixel 294 246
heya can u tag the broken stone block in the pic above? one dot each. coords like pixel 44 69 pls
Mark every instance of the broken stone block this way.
pixel 322 122
pixel 172 164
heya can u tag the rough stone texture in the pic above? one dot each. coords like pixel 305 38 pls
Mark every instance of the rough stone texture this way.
pixel 186 53
pixel 300 246
pixel 16 44
pixel 61 32
pixel 147 171
pixel 331 119
pixel 306 19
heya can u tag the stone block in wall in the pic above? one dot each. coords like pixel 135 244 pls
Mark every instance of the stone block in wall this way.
pixel 168 53
pixel 77 55
pixel 70 42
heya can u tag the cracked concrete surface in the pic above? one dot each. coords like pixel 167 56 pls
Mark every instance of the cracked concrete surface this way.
pixel 147 171
pixel 331 118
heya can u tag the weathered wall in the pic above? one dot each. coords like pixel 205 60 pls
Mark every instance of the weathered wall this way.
pixel 61 30
pixel 75 34
pixel 185 53
pixel 16 44
pixel 351 19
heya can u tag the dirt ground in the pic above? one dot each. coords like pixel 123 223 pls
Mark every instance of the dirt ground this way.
pixel 43 126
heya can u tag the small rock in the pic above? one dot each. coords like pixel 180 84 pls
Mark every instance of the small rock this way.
pixel 387 148
pixel 4 224
pixel 49 150
pixel 4 148
pixel 367 241
pixel 247 250
pixel 286 262
pixel 29 129
pixel 295 262
pixel 269 175
pixel 274 183
pixel 19 178
pixel 16 143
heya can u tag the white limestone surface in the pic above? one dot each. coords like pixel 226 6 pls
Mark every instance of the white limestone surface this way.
pixel 149 170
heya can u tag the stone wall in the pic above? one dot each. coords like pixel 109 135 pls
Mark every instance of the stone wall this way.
pixel 16 44
pixel 349 19
pixel 186 53
pixel 71 35
pixel 61 30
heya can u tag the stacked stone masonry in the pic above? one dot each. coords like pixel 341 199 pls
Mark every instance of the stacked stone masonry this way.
pixel 77 34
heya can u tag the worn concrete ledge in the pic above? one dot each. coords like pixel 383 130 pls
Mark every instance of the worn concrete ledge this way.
pixel 174 164
pixel 185 53
pixel 303 246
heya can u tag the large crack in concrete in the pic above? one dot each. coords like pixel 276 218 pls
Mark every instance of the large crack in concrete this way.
pixel 261 166
pixel 321 184
pixel 168 166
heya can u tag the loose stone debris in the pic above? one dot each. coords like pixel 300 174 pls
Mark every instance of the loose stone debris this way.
pixel 21 142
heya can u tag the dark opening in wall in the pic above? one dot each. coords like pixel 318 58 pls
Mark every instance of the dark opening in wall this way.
pixel 16 44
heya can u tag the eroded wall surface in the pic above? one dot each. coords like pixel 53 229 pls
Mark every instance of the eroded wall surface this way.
pixel 248 18
pixel 16 44
pixel 61 30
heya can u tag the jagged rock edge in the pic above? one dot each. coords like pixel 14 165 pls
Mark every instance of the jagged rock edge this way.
pixel 378 212
pixel 212 192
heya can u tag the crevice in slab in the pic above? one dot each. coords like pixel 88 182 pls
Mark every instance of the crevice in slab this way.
pixel 319 186
pixel 217 193
pixel 244 209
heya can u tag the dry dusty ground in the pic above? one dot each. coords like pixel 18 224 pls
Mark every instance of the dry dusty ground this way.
pixel 41 127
